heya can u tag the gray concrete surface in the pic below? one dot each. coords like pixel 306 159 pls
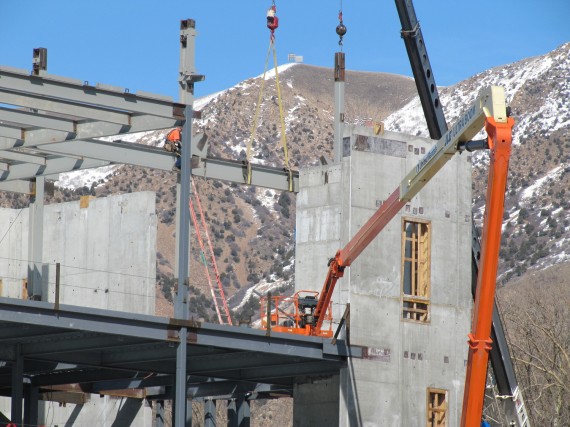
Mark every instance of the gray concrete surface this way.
pixel 107 252
pixel 389 388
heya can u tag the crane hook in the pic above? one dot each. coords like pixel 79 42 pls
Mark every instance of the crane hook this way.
pixel 340 29
pixel 272 20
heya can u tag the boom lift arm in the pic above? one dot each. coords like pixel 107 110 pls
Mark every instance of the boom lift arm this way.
pixel 489 110
pixel 499 140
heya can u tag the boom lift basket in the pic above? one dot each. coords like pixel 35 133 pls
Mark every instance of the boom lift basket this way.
pixel 294 314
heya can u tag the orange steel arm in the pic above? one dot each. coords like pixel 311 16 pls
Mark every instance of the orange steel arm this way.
pixel 357 244
pixel 499 140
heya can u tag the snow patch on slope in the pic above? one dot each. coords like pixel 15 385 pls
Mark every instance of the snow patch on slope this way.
pixel 539 183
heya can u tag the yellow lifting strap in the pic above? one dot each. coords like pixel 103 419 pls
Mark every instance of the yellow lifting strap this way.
pixel 281 118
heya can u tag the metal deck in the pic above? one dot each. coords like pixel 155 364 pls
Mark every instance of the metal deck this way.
pixel 106 350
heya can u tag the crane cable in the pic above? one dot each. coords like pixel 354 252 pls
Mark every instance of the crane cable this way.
pixel 272 24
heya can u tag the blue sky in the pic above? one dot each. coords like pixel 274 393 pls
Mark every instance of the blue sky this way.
pixel 134 43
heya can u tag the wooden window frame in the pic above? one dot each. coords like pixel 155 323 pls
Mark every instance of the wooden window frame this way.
pixel 437 416
pixel 416 271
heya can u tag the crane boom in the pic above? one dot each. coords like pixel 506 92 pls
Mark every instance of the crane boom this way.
pixel 489 108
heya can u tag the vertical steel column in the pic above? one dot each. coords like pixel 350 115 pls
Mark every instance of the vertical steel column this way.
pixel 210 413
pixel 35 241
pixel 31 401
pixel 243 412
pixel 187 78
pixel 232 413
pixel 17 386
pixel 159 413
pixel 36 210
pixel 339 73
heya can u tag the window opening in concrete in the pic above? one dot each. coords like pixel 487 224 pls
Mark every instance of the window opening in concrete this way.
pixel 436 407
pixel 416 251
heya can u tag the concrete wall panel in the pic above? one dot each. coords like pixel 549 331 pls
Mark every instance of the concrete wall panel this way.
pixel 403 358
pixel 107 253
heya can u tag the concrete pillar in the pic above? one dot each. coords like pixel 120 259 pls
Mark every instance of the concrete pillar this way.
pixel 210 413
pixel 316 404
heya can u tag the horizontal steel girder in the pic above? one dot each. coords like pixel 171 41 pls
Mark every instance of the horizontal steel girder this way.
pixel 55 87
pixel 86 130
pixel 233 171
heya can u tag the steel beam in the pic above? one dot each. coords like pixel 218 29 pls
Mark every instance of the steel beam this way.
pixel 10 132
pixel 38 120
pixel 85 319
pixel 52 166
pixel 114 152
pixel 23 157
pixel 236 361
pixel 79 375
pixel 74 342
pixel 270 374
pixel 29 100
pixel 83 93
pixel 86 130
pixel 233 171
pixel 40 319
pixel 339 75
pixel 17 186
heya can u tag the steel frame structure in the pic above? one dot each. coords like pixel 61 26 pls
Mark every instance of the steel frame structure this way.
pixel 104 350
pixel 51 125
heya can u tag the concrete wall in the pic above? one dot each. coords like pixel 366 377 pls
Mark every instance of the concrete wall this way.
pixel 389 386
pixel 107 252
pixel 316 403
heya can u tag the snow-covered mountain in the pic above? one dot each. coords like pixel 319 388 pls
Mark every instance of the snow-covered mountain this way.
pixel 537 231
